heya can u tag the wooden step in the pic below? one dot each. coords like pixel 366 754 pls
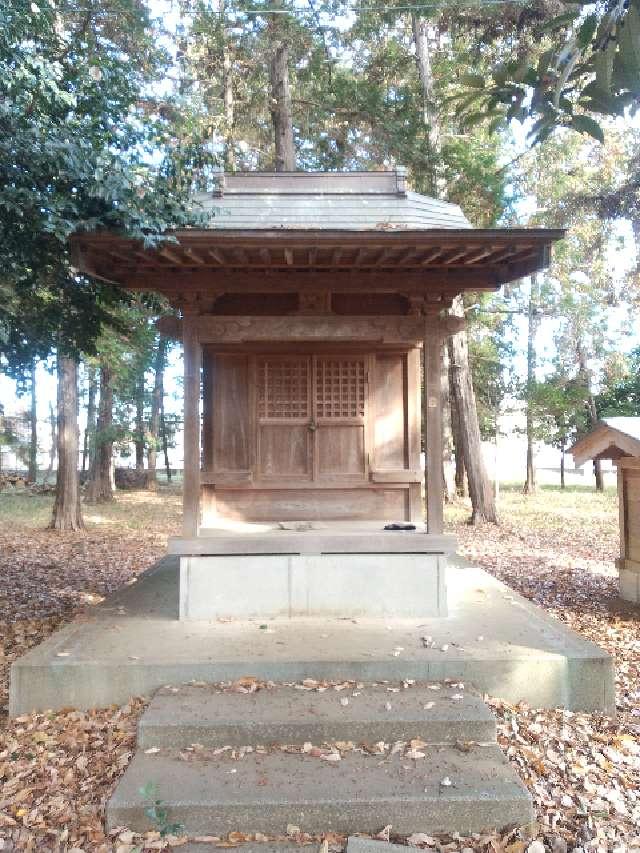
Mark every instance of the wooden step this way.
pixel 285 715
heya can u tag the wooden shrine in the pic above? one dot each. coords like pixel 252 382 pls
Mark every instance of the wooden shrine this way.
pixel 306 309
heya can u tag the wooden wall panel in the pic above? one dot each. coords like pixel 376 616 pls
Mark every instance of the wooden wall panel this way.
pixel 312 504
pixel 284 451
pixel 230 418
pixel 341 450
pixel 390 412
pixel 632 510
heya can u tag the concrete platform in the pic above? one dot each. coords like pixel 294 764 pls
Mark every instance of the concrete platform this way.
pixel 286 715
pixel 321 569
pixel 492 638
pixel 265 793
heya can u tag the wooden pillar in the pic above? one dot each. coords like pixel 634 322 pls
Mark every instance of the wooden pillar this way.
pixel 432 408
pixel 191 472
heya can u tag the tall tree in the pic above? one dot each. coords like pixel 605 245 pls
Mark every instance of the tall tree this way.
pixel 157 407
pixel 73 156
pixel 67 511
pixel 99 488
pixel 532 327
pixel 32 474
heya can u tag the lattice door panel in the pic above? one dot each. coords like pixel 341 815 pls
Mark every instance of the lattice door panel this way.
pixel 283 388
pixel 340 388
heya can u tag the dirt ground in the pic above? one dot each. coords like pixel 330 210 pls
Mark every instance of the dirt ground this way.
pixel 557 549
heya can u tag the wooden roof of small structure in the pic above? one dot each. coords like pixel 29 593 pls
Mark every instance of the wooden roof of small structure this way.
pixel 349 231
pixel 611 438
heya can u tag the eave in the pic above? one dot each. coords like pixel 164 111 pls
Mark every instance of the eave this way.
pixel 445 261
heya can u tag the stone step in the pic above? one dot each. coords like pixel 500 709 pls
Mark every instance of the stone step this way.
pixel 286 715
pixel 360 793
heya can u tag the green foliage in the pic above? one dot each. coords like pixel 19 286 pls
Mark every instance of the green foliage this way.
pixel 581 65
pixel 75 154
pixel 157 812
pixel 622 397
pixel 558 409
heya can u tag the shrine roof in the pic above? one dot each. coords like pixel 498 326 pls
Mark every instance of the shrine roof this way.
pixel 358 231
pixel 611 438
pixel 354 201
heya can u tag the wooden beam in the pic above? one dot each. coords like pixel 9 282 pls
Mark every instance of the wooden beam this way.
pixel 236 281
pixel 194 256
pixel 170 255
pixel 288 256
pixel 430 257
pixel 191 470
pixel 216 256
pixel 432 407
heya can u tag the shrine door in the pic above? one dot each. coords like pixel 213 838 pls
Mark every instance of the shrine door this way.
pixel 313 435
pixel 312 417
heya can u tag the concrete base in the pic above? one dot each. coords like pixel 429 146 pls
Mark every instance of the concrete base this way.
pixel 245 570
pixel 630 586
pixel 268 585
pixel 492 638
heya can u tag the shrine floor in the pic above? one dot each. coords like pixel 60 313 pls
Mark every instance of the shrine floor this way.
pixel 492 639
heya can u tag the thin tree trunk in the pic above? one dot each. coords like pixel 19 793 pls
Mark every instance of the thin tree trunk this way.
pixel 480 491
pixel 165 442
pixel 420 27
pixel 100 486
pixel 460 474
pixel 156 407
pixel 597 464
pixel 281 111
pixel 140 426
pixel 88 446
pixel 585 374
pixel 532 325
pixel 32 474
pixel 228 101
pixel 448 464
pixel 562 464
pixel 67 512
pixel 54 443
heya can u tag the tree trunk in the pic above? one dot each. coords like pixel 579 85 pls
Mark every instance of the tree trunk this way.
pixel 480 491
pixel 32 474
pixel 281 111
pixel 597 464
pixel 562 463
pixel 228 101
pixel 88 445
pixel 140 426
pixel 532 323
pixel 585 374
pixel 165 442
pixel 156 408
pixel 100 488
pixel 463 397
pixel 54 444
pixel 420 27
pixel 448 464
pixel 460 474
pixel 67 512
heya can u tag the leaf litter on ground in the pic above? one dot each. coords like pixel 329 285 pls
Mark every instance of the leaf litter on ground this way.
pixel 58 769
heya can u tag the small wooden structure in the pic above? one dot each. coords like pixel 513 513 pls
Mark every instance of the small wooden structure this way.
pixel 629 506
pixel 304 307
pixel 619 439
pixel 611 438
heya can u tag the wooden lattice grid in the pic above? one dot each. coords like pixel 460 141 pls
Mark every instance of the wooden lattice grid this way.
pixel 340 387
pixel 283 388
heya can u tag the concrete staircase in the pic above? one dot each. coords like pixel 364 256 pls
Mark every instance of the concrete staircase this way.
pixel 425 760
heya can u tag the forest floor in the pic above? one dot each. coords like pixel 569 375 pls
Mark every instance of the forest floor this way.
pixel 556 548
